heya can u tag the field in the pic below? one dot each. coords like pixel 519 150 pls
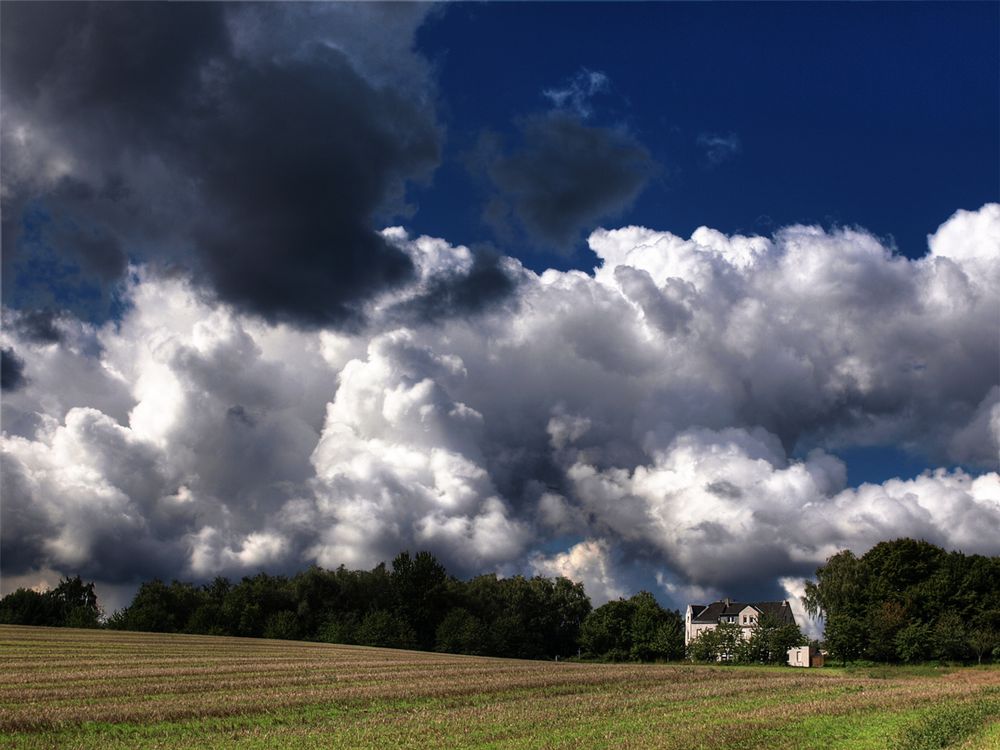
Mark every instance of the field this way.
pixel 101 689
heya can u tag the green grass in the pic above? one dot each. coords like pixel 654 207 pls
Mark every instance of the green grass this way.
pixel 924 729
pixel 986 739
pixel 86 689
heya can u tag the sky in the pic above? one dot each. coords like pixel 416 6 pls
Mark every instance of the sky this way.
pixel 676 297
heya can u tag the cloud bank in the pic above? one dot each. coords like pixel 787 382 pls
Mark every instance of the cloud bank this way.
pixel 672 417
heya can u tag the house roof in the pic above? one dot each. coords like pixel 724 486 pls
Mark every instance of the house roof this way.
pixel 711 613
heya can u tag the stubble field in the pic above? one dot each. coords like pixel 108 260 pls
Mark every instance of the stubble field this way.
pixel 101 689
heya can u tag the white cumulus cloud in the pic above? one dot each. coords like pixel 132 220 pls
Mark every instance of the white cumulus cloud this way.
pixel 673 417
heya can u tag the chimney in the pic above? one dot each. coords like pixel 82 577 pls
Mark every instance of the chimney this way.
pixel 726 600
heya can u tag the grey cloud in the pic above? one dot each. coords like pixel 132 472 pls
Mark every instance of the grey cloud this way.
pixel 24 527
pixel 564 176
pixel 304 246
pixel 975 444
pixel 39 326
pixel 11 370
pixel 186 137
pixel 484 285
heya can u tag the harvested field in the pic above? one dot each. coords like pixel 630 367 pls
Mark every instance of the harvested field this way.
pixel 104 689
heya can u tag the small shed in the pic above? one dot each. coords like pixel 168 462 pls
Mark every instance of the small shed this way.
pixel 805 656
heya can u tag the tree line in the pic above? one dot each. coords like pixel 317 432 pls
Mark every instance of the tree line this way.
pixel 902 601
pixel 71 604
pixel 412 603
pixel 908 601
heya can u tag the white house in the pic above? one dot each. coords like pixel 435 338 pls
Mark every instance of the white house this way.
pixel 702 617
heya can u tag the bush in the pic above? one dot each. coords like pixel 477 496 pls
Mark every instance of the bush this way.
pixel 461 632
pixel 282 625
pixel 382 628
pixel 914 642
pixel 635 629
pixel 339 629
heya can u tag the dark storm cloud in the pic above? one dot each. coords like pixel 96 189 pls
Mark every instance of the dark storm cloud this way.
pixel 565 176
pixel 483 286
pixel 38 326
pixel 296 160
pixel 24 526
pixel 91 90
pixel 134 60
pixel 11 370
pixel 160 132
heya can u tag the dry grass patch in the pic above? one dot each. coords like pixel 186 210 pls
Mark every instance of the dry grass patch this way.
pixel 74 688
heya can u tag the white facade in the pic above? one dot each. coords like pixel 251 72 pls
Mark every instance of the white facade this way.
pixel 746 617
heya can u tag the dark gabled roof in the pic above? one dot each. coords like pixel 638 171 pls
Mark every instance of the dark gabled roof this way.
pixel 711 614
pixel 781 611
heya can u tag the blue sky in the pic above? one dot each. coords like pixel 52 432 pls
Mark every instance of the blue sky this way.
pixel 882 115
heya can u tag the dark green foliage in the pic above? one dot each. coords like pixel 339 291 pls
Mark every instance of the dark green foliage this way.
pixel 341 628
pixel 414 604
pixel 951 641
pixel 907 600
pixel 883 624
pixel 527 618
pixel 382 628
pixel 983 641
pixel 914 643
pixel 420 588
pixel 729 642
pixel 845 636
pixel 636 629
pixel 723 643
pixel 283 625
pixel 28 607
pixel 838 588
pixel 160 608
pixel 461 632
pixel 705 647
pixel 71 604
pixel 769 641
pixel 607 631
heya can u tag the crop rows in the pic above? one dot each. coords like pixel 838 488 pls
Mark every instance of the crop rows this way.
pixel 65 687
